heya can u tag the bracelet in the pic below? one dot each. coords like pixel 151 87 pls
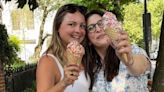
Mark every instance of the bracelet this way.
pixel 131 62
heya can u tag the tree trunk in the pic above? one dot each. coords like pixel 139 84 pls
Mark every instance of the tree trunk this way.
pixel 38 47
pixel 2 79
pixel 158 78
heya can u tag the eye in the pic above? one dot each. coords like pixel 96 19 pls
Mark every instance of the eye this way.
pixel 72 24
pixel 83 26
pixel 91 27
pixel 100 23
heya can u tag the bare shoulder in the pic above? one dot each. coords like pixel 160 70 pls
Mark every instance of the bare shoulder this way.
pixel 46 62
pixel 47 73
pixel 47 67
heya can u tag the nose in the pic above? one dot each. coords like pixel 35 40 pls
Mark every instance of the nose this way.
pixel 97 28
pixel 77 29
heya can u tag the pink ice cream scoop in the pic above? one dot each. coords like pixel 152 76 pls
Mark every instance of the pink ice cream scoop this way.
pixel 75 52
pixel 110 21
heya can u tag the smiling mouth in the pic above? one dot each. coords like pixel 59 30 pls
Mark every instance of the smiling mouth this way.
pixel 75 37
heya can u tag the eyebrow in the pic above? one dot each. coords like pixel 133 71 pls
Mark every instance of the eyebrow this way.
pixel 91 25
pixel 77 22
pixel 96 22
pixel 69 21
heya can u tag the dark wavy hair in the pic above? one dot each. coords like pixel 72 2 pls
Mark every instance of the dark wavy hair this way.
pixel 93 62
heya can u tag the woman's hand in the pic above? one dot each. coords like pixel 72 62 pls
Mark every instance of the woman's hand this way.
pixel 71 73
pixel 123 48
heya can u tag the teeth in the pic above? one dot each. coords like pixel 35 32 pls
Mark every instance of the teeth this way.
pixel 76 37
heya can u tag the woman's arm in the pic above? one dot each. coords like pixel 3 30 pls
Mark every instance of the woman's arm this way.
pixel 48 76
pixel 139 64
pixel 132 56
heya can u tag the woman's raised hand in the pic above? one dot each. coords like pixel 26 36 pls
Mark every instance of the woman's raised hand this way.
pixel 122 47
pixel 71 73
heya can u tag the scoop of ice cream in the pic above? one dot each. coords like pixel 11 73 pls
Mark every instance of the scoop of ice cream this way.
pixel 110 21
pixel 76 48
pixel 110 18
pixel 75 52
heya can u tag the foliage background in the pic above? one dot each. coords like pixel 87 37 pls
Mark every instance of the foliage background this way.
pixel 133 20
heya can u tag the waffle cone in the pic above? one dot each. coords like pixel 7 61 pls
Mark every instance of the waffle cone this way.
pixel 124 55
pixel 72 59
pixel 113 35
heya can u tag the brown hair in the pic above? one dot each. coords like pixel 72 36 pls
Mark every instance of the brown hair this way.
pixel 56 47
pixel 93 62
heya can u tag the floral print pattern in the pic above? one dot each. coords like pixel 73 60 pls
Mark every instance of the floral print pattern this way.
pixel 124 81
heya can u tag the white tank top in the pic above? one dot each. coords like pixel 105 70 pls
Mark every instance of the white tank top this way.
pixel 80 85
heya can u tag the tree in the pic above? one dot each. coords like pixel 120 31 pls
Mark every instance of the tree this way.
pixel 133 20
pixel 109 5
pixel 3 57
pixel 46 6
pixel 158 79
pixel 21 3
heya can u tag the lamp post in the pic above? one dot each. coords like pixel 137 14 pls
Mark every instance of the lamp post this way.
pixel 147 28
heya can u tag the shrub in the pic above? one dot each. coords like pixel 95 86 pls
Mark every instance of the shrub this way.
pixel 9 48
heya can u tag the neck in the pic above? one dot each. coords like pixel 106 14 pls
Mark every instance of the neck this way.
pixel 102 53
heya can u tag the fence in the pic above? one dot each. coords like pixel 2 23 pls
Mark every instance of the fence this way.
pixel 20 79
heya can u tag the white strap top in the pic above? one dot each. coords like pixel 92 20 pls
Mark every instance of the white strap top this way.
pixel 80 85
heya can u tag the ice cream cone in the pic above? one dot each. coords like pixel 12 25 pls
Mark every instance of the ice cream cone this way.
pixel 75 52
pixel 113 36
pixel 112 28
pixel 111 33
pixel 72 59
